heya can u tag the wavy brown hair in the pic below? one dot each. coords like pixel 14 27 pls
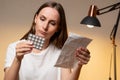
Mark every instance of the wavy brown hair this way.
pixel 59 38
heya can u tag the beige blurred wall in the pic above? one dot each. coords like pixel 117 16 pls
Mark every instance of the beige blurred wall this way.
pixel 16 17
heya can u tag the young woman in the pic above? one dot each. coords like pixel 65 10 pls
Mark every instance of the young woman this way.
pixel 24 62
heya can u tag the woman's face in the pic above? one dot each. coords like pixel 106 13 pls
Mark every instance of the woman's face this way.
pixel 47 22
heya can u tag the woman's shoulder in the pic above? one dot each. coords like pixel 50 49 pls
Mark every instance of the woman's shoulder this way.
pixel 13 44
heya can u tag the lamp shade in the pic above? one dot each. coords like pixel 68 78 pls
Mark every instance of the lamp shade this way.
pixel 91 19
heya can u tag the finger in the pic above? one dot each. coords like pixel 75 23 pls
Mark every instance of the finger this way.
pixel 84 49
pixel 83 61
pixel 22 50
pixel 82 53
pixel 24 44
pixel 21 53
pixel 82 57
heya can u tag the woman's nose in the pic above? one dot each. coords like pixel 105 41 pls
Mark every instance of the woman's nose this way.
pixel 45 26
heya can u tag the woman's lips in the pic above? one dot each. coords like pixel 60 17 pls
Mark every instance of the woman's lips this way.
pixel 43 33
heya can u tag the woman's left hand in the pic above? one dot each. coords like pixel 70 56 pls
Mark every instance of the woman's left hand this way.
pixel 83 55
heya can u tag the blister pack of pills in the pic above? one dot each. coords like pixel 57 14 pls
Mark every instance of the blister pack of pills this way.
pixel 38 41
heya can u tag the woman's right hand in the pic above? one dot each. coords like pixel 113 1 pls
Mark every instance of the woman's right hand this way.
pixel 22 48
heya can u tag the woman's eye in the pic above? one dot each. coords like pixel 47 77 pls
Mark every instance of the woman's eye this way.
pixel 53 23
pixel 42 18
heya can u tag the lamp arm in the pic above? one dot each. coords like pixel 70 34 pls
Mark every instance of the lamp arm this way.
pixel 114 30
pixel 110 8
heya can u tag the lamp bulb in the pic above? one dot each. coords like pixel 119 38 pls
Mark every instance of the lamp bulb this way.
pixel 90 26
